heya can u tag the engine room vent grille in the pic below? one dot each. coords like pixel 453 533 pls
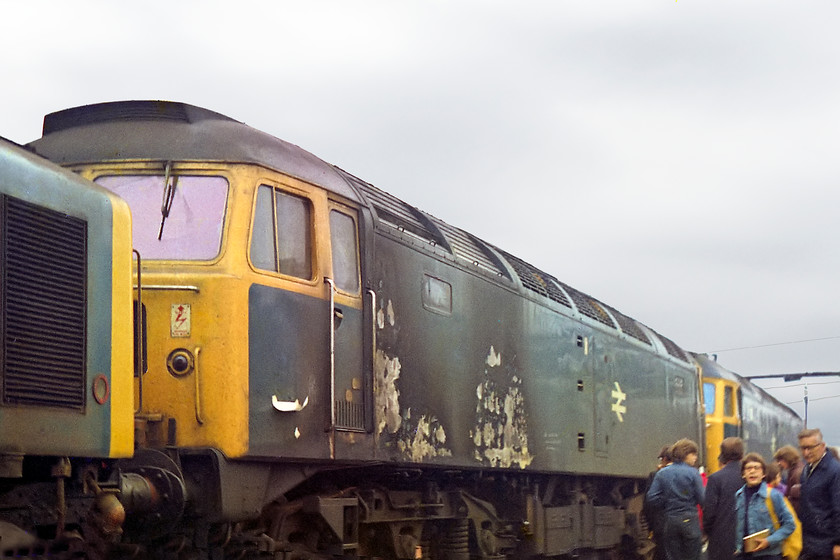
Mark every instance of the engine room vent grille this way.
pixel 469 249
pixel 399 215
pixel 43 262
pixel 628 325
pixel 589 307
pixel 536 280
pixel 672 348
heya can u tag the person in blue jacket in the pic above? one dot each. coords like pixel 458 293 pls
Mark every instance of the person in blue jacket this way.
pixel 752 514
pixel 677 490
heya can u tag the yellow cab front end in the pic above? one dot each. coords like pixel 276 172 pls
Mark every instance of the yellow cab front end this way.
pixel 191 224
pixel 722 417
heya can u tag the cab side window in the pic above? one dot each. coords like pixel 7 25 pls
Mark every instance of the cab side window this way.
pixel 345 255
pixel 709 397
pixel 282 237
pixel 728 401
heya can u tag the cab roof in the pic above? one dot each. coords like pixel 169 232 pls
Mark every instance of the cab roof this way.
pixel 172 131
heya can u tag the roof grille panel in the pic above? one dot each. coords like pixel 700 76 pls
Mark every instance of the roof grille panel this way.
pixel 396 213
pixel 672 348
pixel 536 280
pixel 470 249
pixel 588 306
pixel 628 326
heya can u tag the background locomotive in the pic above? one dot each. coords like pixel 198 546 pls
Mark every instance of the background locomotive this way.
pixel 737 407
pixel 320 370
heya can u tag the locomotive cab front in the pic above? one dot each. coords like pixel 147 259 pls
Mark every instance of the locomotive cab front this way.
pixel 231 257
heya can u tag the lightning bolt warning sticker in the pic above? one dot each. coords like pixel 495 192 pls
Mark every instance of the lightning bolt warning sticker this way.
pixel 179 320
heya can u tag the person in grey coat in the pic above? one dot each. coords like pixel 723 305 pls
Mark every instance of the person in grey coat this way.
pixel 719 507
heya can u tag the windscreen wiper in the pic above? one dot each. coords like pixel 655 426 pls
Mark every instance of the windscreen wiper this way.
pixel 168 196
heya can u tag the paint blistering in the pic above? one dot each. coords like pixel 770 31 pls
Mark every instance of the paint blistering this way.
pixel 416 441
pixel 426 440
pixel 501 432
pixel 493 359
pixel 387 396
pixel 390 312
pixel 386 313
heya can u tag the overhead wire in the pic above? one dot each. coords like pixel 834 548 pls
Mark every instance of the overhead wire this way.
pixel 804 384
pixel 774 344
pixel 812 399
pixel 799 385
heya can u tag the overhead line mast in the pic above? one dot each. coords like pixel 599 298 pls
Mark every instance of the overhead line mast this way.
pixel 797 377
pixel 794 376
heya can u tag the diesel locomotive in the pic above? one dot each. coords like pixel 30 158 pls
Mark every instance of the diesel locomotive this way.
pixel 734 406
pixel 268 357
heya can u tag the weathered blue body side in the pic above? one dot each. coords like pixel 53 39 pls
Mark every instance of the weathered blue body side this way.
pixel 61 290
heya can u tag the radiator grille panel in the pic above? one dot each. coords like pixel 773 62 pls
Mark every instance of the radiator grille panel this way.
pixel 349 415
pixel 43 262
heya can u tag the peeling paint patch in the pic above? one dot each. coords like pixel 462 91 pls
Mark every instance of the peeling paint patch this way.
pixel 390 312
pixel 380 319
pixel 386 395
pixel 493 359
pixel 501 430
pixel 419 438
pixel 385 313
pixel 425 441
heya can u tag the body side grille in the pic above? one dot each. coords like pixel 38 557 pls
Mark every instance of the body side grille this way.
pixel 43 288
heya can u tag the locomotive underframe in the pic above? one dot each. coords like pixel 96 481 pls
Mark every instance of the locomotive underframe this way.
pixel 171 510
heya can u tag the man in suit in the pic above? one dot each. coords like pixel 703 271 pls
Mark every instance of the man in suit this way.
pixel 719 508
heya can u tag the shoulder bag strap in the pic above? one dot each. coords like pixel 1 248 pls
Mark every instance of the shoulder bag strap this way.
pixel 772 510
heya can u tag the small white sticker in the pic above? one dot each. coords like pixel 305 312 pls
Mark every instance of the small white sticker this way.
pixel 179 321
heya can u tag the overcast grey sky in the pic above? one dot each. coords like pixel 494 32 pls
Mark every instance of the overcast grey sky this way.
pixel 676 160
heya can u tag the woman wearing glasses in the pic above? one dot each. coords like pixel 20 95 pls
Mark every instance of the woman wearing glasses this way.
pixel 757 536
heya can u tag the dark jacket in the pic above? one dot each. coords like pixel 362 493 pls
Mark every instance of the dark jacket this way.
pixel 819 507
pixel 794 484
pixel 719 511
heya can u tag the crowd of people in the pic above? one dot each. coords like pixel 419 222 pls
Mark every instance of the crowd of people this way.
pixel 786 508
